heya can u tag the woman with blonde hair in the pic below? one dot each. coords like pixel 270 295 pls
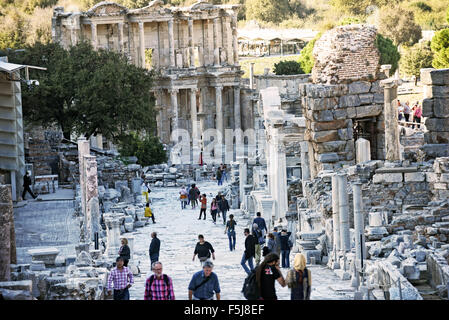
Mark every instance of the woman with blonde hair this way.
pixel 124 252
pixel 299 279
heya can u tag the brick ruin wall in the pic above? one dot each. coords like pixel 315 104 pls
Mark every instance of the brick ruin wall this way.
pixel 346 53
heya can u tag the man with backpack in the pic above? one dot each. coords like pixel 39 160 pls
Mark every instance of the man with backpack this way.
pixel 204 283
pixel 258 235
pixel 250 251
pixel 158 286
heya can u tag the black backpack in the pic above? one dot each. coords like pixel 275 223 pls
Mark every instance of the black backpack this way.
pixel 165 280
pixel 250 288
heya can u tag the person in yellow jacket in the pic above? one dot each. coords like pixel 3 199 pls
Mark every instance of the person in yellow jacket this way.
pixel 299 279
pixel 148 212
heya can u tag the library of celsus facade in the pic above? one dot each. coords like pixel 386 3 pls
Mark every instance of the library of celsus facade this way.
pixel 193 50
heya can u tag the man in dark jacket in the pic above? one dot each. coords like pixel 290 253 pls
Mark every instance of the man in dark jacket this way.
pixel 204 250
pixel 261 223
pixel 154 248
pixel 26 186
pixel 285 248
pixel 223 205
pixel 250 251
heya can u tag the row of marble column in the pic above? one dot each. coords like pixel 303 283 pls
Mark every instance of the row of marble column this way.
pixel 219 124
pixel 231 44
pixel 340 217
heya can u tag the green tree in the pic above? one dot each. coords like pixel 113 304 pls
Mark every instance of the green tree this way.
pixel 267 10
pixel 287 67
pixel 358 7
pixel 415 58
pixel 389 53
pixel 148 150
pixel 440 49
pixel 306 57
pixel 86 91
pixel 399 25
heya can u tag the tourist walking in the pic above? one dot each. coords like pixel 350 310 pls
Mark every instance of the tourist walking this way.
pixel 259 241
pixel 214 209
pixel 26 186
pixel 261 223
pixel 183 197
pixel 204 284
pixel 155 246
pixel 285 248
pixel 203 249
pixel 121 278
pixel 148 212
pixel 223 205
pixel 271 244
pixel 266 275
pixel 407 112
pixel 124 252
pixel 219 176
pixel 193 196
pixel 230 229
pixel 417 114
pixel 277 241
pixel 203 201
pixel 299 279
pixel 224 174
pixel 250 251
pixel 400 111
pixel 158 286
pixel 146 190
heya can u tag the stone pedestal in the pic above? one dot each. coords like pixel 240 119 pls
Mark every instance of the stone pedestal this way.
pixel 45 255
pixel 113 223
pixel 376 229
pixel 363 152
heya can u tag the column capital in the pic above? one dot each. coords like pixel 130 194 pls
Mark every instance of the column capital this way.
pixel 141 24
pixel 93 24
pixel 195 90
pixel 218 87
pixel 173 90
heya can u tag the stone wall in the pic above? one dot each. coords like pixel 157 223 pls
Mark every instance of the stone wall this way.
pixel 331 112
pixel 345 54
pixel 7 233
pixel 435 105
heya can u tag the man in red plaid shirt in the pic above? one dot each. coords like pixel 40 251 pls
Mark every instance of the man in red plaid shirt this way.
pixel 120 276
pixel 159 286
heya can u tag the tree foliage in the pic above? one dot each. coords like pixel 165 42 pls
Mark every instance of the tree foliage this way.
pixel 389 53
pixel 440 49
pixel 267 10
pixel 86 91
pixel 399 25
pixel 287 67
pixel 415 58
pixel 306 57
pixel 148 149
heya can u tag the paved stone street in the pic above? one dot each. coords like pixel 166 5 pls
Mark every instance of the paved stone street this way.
pixel 178 230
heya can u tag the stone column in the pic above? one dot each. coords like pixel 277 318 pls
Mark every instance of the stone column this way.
pixel 191 44
pixel 237 116
pixel 93 26
pixel 83 150
pixel 344 212
pixel 392 146
pixel 121 37
pixel 171 43
pixel 235 44
pixel 174 108
pixel 113 235
pixel 251 75
pixel 7 236
pixel 216 43
pixel 142 44
pixel 359 224
pixel 305 167
pixel 219 111
pixel 92 217
pixel 335 214
pixel 279 176
pixel 243 176
pixel 193 116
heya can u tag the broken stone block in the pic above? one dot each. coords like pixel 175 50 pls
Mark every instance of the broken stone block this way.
pixel 83 259
pixel 25 285
pixel 47 255
pixel 37 266
pixel 16 295
pixel 129 226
